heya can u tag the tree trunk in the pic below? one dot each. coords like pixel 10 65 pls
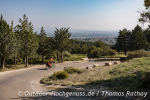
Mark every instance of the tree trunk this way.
pixel 15 60
pixel 26 57
pixel 57 56
pixel 42 58
pixel 2 62
pixel 42 51
pixel 62 56
pixel 26 60
pixel 125 51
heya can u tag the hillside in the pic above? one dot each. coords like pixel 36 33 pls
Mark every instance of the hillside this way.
pixel 133 75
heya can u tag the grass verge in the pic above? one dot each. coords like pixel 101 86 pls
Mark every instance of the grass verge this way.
pixel 133 75
pixel 16 67
pixel 114 56
pixel 12 67
pixel 80 55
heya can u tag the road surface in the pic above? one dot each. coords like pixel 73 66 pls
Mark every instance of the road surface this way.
pixel 11 82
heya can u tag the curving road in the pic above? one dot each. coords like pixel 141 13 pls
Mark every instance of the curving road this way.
pixel 11 82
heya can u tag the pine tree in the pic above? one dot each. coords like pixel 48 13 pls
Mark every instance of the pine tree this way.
pixel 138 40
pixel 43 44
pixel 29 38
pixel 123 39
pixel 62 41
pixel 145 15
pixel 7 41
pixel 18 46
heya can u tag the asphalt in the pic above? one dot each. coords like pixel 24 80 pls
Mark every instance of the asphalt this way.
pixel 22 80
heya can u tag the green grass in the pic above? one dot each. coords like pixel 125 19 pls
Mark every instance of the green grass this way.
pixel 75 57
pixel 114 56
pixel 80 55
pixel 72 58
pixel 133 75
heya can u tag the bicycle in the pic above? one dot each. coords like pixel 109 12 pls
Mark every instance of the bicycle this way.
pixel 53 65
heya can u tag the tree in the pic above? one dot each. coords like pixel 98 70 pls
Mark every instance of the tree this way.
pixel 145 18
pixel 145 15
pixel 84 48
pixel 76 49
pixel 99 43
pixel 18 41
pixel 43 44
pixel 122 43
pixel 53 46
pixel 7 41
pixel 29 38
pixel 91 48
pixel 138 40
pixel 62 41
pixel 147 34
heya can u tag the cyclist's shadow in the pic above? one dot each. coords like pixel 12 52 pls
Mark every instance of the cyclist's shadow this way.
pixel 42 68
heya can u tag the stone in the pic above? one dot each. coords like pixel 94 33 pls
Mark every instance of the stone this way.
pixel 116 62
pixel 89 67
pixel 95 65
pixel 108 64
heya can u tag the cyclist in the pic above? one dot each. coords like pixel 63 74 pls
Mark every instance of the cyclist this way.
pixel 51 60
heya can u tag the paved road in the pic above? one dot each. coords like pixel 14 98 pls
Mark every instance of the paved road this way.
pixel 11 82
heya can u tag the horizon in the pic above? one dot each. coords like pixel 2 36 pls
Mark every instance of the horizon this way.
pixel 96 15
pixel 52 29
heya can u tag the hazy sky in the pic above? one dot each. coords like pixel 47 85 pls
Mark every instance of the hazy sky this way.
pixel 76 14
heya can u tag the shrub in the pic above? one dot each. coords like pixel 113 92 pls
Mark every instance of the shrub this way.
pixel 59 75
pixel 138 54
pixel 122 59
pixel 73 58
pixel 43 80
pixel 105 51
pixel 111 52
pixel 35 61
pixel 51 54
pixel 66 54
pixel 91 48
pixel 96 53
pixel 122 53
pixel 30 61
pixel 9 61
pixel 72 70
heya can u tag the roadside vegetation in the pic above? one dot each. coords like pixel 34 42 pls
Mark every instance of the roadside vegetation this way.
pixel 12 67
pixel 16 67
pixel 114 56
pixel 80 55
pixel 135 54
pixel 58 76
pixel 132 75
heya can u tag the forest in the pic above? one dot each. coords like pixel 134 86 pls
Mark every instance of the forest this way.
pixel 21 45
